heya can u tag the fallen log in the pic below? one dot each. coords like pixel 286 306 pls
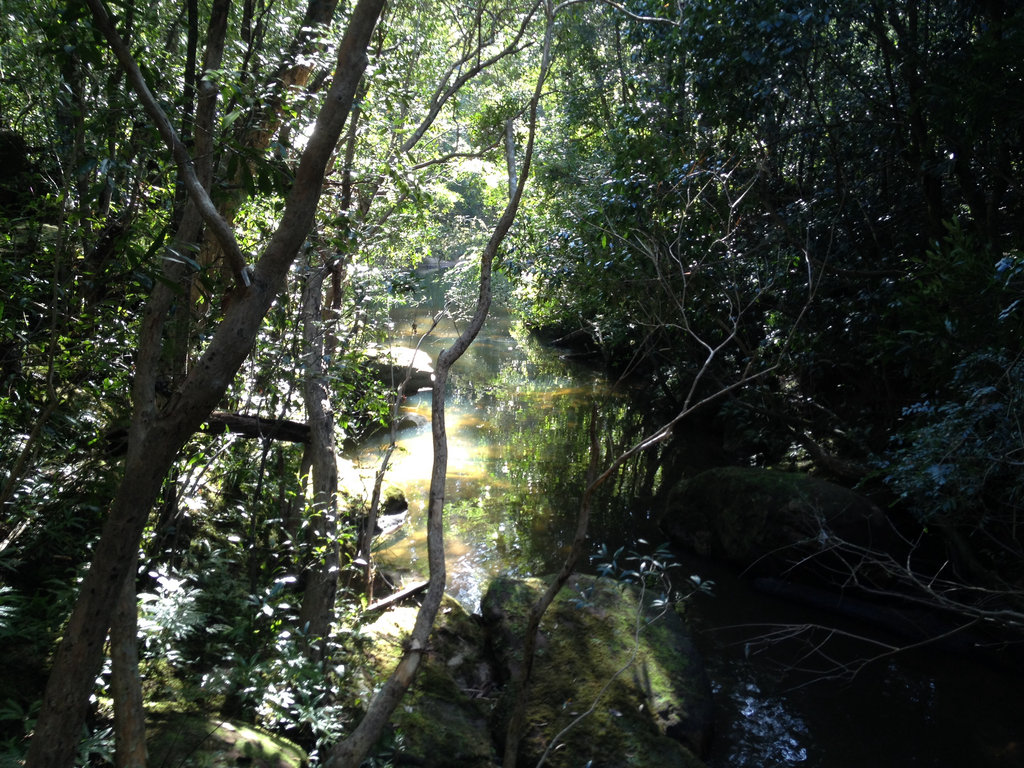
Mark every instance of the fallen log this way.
pixel 220 422
pixel 397 597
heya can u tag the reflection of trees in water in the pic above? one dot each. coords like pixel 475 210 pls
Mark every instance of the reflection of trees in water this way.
pixel 522 413
pixel 546 455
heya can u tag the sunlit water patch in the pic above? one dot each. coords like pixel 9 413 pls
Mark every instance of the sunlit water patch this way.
pixel 501 502
pixel 516 420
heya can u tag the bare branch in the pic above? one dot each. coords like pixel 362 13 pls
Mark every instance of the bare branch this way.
pixel 351 752
pixel 624 11
pixel 366 539
pixel 816 637
pixel 200 197
pixel 442 159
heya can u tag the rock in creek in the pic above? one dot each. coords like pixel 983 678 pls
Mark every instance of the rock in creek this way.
pixel 654 713
pixel 444 718
pixel 771 523
pixel 649 690
pixel 390 365
pixel 197 740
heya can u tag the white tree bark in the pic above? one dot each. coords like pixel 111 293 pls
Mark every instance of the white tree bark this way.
pixel 351 752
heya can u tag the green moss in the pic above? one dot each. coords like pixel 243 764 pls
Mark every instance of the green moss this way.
pixel 769 518
pixel 393 501
pixel 439 731
pixel 209 742
pixel 437 724
pixel 586 654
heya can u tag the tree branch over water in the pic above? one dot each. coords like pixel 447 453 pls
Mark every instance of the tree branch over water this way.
pixel 656 251
pixel 351 752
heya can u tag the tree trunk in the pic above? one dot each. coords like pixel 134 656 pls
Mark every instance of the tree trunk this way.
pixel 126 685
pixel 155 438
pixel 80 653
pixel 510 155
pixel 351 752
pixel 257 427
pixel 318 599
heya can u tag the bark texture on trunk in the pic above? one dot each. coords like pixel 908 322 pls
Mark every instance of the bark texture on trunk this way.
pixel 510 155
pixel 156 436
pixel 317 611
pixel 126 685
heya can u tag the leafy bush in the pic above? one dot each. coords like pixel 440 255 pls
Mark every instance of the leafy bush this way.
pixel 958 461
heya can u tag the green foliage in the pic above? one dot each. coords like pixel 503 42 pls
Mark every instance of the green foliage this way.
pixel 31 616
pixel 693 177
pixel 210 638
pixel 283 690
pixel 168 615
pixel 953 462
pixel 957 459
pixel 653 571
pixel 89 199
pixel 720 171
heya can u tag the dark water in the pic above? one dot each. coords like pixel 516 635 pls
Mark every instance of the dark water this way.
pixel 518 419
pixel 824 698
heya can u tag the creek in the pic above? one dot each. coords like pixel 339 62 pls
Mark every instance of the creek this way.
pixel 517 417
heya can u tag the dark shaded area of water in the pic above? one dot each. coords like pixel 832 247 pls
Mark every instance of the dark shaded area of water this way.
pixel 795 687
pixel 518 419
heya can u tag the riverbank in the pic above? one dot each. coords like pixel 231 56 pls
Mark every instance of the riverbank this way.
pixel 518 421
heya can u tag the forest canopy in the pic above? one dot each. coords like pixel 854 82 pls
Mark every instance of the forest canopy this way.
pixel 211 207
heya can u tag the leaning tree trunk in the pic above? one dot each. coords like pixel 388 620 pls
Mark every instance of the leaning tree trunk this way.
pixel 155 437
pixel 125 684
pixel 351 752
pixel 317 611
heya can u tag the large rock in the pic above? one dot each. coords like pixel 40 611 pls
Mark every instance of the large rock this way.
pixel 196 741
pixel 770 522
pixel 443 721
pixel 651 696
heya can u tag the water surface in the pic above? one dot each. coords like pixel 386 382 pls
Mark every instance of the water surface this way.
pixel 518 417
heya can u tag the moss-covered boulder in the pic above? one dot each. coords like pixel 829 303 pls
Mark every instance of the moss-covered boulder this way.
pixel 769 522
pixel 443 721
pixel 649 691
pixel 195 741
